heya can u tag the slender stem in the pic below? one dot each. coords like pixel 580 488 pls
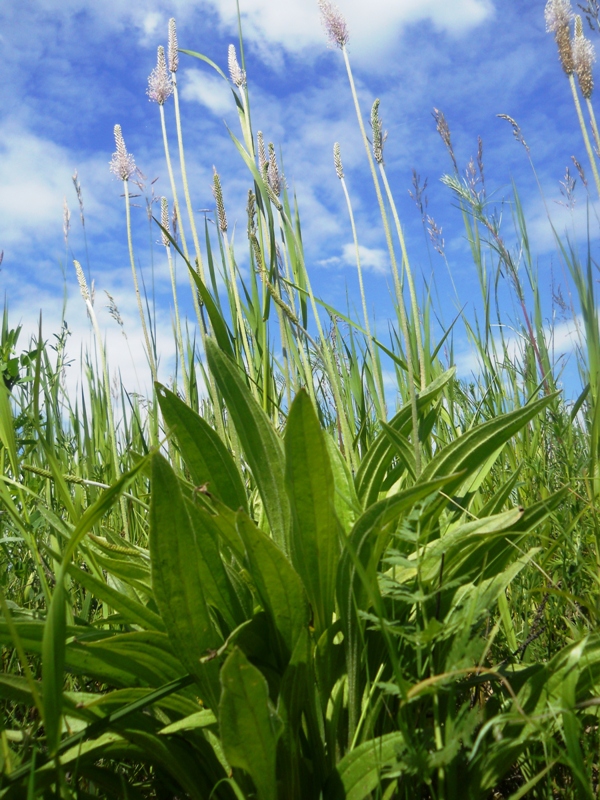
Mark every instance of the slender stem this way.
pixel 241 322
pixel 178 335
pixel 331 369
pixel 586 138
pixel 400 299
pixel 411 285
pixel 376 371
pixel 177 210
pixel 186 191
pixel 136 285
pixel 109 408
pixel 594 124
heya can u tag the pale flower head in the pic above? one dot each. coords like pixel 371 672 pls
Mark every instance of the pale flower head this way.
pixel 122 164
pixel 584 56
pixel 334 24
pixel 173 49
pixel 237 74
pixel 160 84
pixel 558 14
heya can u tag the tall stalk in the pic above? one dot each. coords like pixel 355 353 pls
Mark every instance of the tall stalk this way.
pixel 337 31
pixel 109 406
pixel 123 166
pixel 376 371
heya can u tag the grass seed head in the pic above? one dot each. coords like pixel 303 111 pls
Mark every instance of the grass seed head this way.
pixel 83 287
pixel 123 163
pixel 173 50
pixel 262 152
pixel 444 132
pixel 251 211
pixel 218 195
pixel 334 24
pixel 160 83
pixel 378 135
pixel 337 161
pixel 66 221
pixel 273 175
pixel 584 56
pixel 164 221
pixel 237 74
pixel 558 14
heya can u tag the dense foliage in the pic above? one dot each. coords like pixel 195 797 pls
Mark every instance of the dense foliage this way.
pixel 259 583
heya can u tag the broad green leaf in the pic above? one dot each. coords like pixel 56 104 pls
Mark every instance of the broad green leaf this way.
pixel 200 719
pixel 278 584
pixel 176 575
pixel 217 587
pixel 366 544
pixel 249 725
pixel 346 503
pixel 133 611
pixel 469 452
pixel 53 646
pixel 262 446
pixel 205 455
pixel 316 531
pixel 378 459
pixel 361 771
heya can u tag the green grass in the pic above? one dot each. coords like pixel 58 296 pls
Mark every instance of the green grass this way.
pixel 260 582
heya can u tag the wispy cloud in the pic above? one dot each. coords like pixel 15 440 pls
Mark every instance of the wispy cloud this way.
pixel 208 90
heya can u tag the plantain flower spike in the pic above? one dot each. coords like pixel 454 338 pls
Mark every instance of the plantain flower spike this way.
pixel 378 135
pixel 337 161
pixel 83 287
pixel 237 74
pixel 262 153
pixel 584 55
pixel 251 211
pixel 160 83
pixel 173 50
pixel 164 221
pixel 334 24
pixel 558 14
pixel 123 163
pixel 273 175
pixel 218 195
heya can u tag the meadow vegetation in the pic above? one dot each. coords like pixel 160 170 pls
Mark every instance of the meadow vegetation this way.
pixel 276 578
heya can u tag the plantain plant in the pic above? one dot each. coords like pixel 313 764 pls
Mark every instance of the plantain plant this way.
pixel 292 631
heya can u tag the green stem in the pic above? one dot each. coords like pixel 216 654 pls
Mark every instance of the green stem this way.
pixel 186 191
pixel 136 285
pixel 586 138
pixel 177 210
pixel 109 408
pixel 376 371
pixel 400 299
pixel 411 285
pixel 178 335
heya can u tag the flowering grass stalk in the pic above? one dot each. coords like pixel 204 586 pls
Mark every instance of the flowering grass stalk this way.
pixel 123 167
pixel 109 405
pixel 337 159
pixel 338 34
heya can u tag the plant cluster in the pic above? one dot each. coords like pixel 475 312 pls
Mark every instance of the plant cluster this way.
pixel 258 582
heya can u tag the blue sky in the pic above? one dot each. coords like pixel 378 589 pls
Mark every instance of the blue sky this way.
pixel 70 70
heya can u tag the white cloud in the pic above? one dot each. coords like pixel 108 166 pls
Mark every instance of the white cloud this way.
pixel 293 24
pixel 561 340
pixel 577 223
pixel 126 356
pixel 35 176
pixel 209 90
pixel 371 258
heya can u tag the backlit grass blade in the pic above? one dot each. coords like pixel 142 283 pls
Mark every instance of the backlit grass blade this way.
pixel 262 446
